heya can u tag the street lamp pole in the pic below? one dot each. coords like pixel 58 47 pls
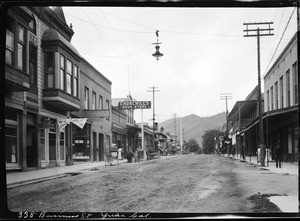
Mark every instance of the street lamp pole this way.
pixel 266 31
pixel 153 90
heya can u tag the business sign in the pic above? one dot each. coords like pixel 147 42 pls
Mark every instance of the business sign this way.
pixel 135 105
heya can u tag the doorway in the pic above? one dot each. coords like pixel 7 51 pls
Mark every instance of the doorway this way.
pixel 95 146
pixel 101 147
pixel 31 147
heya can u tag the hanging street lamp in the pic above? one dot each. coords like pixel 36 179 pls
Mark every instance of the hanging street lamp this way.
pixel 157 53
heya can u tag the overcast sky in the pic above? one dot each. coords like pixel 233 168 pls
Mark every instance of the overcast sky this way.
pixel 205 53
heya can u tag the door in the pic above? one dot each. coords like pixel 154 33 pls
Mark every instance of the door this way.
pixel 101 147
pixel 95 146
pixel 31 147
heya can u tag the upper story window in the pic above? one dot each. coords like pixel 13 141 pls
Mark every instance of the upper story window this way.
pixel 32 65
pixel 75 80
pixel 107 104
pixel 62 73
pixel 49 70
pixel 295 74
pixel 100 102
pixel 288 99
pixel 21 47
pixel 9 49
pixel 94 101
pixel 86 98
pixel 69 77
pixel 32 25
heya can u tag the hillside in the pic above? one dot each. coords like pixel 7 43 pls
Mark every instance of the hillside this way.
pixel 194 126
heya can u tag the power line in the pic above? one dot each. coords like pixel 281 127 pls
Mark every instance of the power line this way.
pixel 280 40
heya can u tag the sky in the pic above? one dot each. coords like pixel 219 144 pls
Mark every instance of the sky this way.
pixel 205 53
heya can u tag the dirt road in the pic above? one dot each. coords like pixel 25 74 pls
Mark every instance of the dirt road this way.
pixel 181 183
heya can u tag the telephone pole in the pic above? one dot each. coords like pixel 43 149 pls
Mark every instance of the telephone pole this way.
pixel 153 90
pixel 175 115
pixel 226 96
pixel 262 29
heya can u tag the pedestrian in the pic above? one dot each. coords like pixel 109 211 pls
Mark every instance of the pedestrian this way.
pixel 120 150
pixel 258 154
pixel 278 155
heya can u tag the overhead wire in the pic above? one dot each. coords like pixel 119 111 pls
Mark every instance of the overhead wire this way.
pixel 280 39
pixel 124 46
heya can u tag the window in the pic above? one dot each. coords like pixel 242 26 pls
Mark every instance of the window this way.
pixel 21 46
pixel 288 98
pixel 11 143
pixel 75 80
pixel 100 102
pixel 62 72
pixel 295 74
pixel 62 145
pixel 49 67
pixel 69 77
pixel 9 49
pixel 86 98
pixel 268 100
pixel 107 104
pixel 271 99
pixel 276 95
pixel 281 91
pixel 94 101
pixel 33 65
pixel 32 26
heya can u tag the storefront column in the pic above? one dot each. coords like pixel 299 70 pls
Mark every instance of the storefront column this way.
pixel 22 135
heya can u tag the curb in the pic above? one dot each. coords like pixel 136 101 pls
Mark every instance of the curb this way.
pixel 37 180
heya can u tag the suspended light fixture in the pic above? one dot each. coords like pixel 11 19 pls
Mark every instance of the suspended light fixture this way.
pixel 157 54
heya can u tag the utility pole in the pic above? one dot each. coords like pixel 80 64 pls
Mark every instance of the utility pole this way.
pixel 226 96
pixel 175 128
pixel 153 90
pixel 262 29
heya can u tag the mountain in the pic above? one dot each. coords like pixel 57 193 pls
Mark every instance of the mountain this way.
pixel 194 126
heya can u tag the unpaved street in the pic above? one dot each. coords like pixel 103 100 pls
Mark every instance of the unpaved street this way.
pixel 182 183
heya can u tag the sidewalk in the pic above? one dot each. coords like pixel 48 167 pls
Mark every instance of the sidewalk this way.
pixel 286 167
pixel 14 179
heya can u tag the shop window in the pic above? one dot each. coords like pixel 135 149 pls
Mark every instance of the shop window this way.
pixel 49 66
pixel 33 65
pixel 11 143
pixel 62 145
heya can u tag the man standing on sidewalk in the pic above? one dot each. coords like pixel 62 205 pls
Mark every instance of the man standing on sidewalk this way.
pixel 278 155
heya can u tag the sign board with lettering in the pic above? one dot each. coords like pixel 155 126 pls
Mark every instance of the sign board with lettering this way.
pixel 135 105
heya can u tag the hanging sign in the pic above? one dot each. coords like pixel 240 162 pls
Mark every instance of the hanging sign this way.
pixel 80 122
pixel 63 123
pixel 135 105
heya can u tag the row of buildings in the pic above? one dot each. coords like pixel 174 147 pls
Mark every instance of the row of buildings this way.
pixel 280 106
pixel 58 107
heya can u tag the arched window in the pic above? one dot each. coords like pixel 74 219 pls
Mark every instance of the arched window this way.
pixel 32 25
